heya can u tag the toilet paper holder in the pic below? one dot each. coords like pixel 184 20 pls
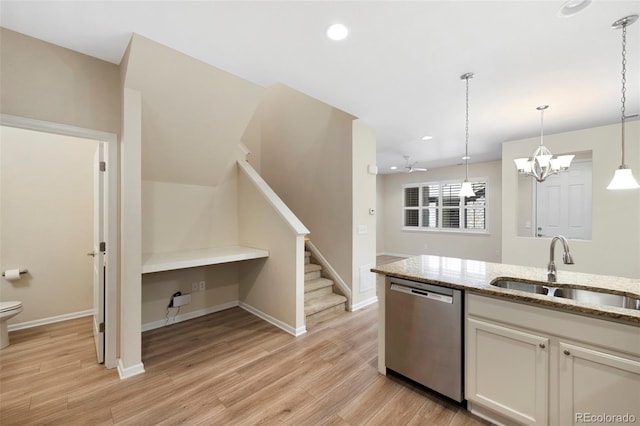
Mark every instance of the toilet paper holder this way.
pixel 22 272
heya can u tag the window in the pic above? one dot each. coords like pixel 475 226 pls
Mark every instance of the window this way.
pixel 437 206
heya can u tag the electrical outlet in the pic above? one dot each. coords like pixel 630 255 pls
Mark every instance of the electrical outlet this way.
pixel 202 285
pixel 194 287
pixel 181 300
pixel 172 300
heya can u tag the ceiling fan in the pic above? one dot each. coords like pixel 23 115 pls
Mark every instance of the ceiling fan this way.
pixel 409 166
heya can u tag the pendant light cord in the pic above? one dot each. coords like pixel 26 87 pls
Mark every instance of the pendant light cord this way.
pixel 624 89
pixel 466 144
pixel 541 125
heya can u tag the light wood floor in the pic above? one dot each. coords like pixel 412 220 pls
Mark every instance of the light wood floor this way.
pixel 228 368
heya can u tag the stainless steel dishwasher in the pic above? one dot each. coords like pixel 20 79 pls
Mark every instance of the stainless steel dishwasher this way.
pixel 423 334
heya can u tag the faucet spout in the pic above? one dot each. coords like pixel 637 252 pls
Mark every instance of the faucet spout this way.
pixel 566 257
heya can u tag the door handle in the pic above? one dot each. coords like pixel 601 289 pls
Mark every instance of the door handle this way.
pixel 92 254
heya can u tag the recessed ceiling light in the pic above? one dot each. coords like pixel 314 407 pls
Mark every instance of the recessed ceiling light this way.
pixel 426 138
pixel 337 32
pixel 393 167
pixel 573 7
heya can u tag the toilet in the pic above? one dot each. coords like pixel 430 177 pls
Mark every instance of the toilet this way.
pixel 8 310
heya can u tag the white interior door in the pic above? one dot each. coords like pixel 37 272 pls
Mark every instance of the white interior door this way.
pixel 98 252
pixel 564 203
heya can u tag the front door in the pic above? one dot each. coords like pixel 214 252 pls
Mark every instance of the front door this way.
pixel 564 203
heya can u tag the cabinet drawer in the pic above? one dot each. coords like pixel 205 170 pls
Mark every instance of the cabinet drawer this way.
pixel 587 329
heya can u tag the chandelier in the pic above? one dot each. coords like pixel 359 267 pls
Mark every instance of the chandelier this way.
pixel 542 164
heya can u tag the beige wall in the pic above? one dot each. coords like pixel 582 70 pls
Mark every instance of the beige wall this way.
pixel 380 231
pixel 303 149
pixel 221 290
pixel 179 217
pixel 270 285
pixel 194 115
pixel 46 82
pixel 615 245
pixel 42 81
pixel 485 247
pixel 364 223
pixel 192 119
pixel 46 215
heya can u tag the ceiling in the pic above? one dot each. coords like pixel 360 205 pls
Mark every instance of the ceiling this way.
pixel 399 70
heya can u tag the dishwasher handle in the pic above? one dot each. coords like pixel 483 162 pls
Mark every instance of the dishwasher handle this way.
pixel 422 293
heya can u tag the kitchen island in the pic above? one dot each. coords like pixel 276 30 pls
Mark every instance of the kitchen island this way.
pixel 533 358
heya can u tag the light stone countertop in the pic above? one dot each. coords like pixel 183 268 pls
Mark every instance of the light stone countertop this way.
pixel 475 276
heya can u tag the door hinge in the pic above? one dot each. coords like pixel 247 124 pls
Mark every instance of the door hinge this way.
pixel 101 327
pixel 103 166
pixel 103 246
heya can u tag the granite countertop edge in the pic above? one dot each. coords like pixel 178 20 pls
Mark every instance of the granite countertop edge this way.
pixel 475 276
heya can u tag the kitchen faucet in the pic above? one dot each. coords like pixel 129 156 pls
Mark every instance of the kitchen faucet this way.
pixel 566 257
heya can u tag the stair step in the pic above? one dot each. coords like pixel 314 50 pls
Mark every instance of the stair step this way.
pixel 317 284
pixel 307 257
pixel 312 267
pixel 312 271
pixel 322 303
pixel 317 288
pixel 335 305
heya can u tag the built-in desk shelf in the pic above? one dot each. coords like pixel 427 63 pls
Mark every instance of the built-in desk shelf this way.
pixel 158 262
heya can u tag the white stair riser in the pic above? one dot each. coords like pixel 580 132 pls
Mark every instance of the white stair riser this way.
pixel 312 275
pixel 318 293
pixel 327 313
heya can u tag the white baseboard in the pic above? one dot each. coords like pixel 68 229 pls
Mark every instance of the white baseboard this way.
pixel 50 320
pixel 126 372
pixel 271 320
pixel 364 303
pixel 212 309
pixel 189 315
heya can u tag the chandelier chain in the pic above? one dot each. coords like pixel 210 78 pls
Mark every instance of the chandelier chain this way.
pixel 624 69
pixel 624 84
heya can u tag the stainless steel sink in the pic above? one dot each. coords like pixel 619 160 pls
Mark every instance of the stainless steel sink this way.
pixel 598 298
pixel 517 285
pixel 579 295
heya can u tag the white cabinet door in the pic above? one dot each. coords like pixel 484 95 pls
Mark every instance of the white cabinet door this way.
pixel 508 371
pixel 594 383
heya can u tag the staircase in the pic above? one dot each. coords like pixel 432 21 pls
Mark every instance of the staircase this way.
pixel 320 302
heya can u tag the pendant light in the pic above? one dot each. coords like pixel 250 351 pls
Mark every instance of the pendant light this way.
pixel 542 164
pixel 623 177
pixel 466 190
